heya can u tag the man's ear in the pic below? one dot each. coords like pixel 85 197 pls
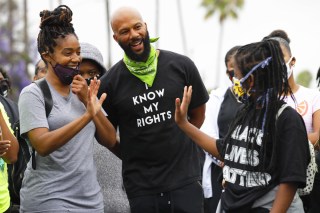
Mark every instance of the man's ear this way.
pixel 115 37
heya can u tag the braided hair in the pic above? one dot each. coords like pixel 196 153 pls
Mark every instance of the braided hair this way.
pixel 230 54
pixel 54 24
pixel 282 37
pixel 259 112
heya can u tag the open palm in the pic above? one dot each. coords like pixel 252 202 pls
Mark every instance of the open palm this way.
pixel 94 104
pixel 182 107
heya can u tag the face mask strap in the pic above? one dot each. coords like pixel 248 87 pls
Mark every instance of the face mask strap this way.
pixel 262 64
pixel 290 59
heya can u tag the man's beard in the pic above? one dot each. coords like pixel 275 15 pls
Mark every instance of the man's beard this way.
pixel 138 57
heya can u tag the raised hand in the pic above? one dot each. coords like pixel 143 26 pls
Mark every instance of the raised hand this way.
pixel 94 104
pixel 80 88
pixel 182 107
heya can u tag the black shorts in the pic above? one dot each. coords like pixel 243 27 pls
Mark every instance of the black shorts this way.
pixel 187 199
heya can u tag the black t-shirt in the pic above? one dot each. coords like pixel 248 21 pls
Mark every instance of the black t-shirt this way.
pixel 228 110
pixel 156 155
pixel 292 157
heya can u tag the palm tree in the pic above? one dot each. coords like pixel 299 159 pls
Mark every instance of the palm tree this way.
pixel 109 62
pixel 226 9
pixel 183 34
pixel 25 32
pixel 157 17
pixel 180 17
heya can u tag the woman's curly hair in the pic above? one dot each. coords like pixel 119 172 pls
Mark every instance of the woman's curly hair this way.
pixel 54 24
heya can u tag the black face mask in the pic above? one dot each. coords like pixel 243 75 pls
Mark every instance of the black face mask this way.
pixel 65 74
pixel 4 87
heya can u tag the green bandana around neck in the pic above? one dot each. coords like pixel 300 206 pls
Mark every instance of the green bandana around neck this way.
pixel 145 71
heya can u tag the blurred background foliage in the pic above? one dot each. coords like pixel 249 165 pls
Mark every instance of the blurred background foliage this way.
pixel 304 78
pixel 16 48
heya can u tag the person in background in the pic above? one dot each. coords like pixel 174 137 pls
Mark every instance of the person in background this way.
pixel 108 165
pixel 160 164
pixel 9 147
pixel 306 101
pixel 221 110
pixel 92 62
pixel 63 178
pixel 259 171
pixel 41 70
pixel 5 84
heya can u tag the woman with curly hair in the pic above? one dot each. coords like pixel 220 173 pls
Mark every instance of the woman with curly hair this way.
pixel 64 177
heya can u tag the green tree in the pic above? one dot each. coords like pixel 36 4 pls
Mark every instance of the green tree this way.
pixel 304 78
pixel 225 9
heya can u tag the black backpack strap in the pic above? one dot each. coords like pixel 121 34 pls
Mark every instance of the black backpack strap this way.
pixel 48 104
pixel 11 109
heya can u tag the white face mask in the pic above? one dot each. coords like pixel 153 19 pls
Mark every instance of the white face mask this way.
pixel 289 69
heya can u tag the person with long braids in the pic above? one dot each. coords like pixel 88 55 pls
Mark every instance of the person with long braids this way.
pixel 64 176
pixel 265 151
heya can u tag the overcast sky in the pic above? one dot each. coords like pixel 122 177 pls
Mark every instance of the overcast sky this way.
pixel 299 18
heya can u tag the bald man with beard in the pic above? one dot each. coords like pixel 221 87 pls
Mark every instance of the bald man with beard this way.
pixel 160 164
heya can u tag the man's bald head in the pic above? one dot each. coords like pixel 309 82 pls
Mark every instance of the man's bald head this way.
pixel 131 33
pixel 123 15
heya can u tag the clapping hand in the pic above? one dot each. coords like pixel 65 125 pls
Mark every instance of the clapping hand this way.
pixel 94 104
pixel 80 88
